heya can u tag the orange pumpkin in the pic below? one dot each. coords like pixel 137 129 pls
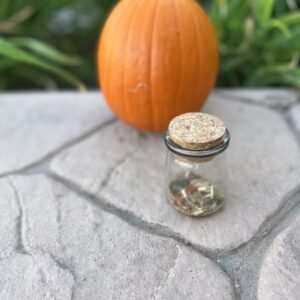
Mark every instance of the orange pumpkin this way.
pixel 157 59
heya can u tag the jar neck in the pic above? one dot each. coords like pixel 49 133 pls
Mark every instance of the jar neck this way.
pixel 187 160
pixel 198 154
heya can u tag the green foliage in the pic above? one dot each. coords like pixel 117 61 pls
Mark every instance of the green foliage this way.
pixel 259 42
pixel 36 34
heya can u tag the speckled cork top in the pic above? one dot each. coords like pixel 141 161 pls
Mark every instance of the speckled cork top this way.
pixel 197 131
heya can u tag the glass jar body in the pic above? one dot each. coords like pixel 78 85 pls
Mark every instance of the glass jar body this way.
pixel 195 186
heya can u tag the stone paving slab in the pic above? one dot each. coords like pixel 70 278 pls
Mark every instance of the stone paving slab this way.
pixel 9 213
pixel 130 174
pixel 295 117
pixel 56 244
pixel 34 125
pixel 33 277
pixel 273 97
pixel 280 272
pixel 68 247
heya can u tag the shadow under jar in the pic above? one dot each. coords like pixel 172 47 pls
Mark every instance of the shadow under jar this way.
pixel 195 179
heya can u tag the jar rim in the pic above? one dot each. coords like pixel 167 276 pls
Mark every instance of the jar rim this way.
pixel 219 148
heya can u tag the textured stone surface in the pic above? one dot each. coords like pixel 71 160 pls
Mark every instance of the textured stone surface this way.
pixel 295 116
pixel 34 125
pixel 33 277
pixel 58 245
pixel 200 283
pixel 70 247
pixel 280 272
pixel 260 174
pixel 9 218
pixel 273 97
pixel 94 159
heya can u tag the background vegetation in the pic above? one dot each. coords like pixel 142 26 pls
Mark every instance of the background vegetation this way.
pixel 51 44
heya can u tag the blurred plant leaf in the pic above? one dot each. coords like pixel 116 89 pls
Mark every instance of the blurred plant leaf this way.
pixel 254 35
pixel 288 73
pixel 3 7
pixel 45 50
pixel 290 43
pixel 9 50
pixel 291 18
pixel 41 78
pixel 262 10
pixel 10 24
pixel 281 26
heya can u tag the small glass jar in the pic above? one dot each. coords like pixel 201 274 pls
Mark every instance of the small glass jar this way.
pixel 195 179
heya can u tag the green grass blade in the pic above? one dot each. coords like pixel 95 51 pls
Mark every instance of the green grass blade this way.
pixel 292 78
pixel 268 6
pixel 274 74
pixel 291 18
pixel 263 10
pixel 281 26
pixel 289 44
pixel 45 50
pixel 28 74
pixel 11 51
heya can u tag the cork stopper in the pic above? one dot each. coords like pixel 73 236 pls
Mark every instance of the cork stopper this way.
pixel 196 131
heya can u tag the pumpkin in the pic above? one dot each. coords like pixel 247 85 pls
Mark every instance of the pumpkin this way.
pixel 156 59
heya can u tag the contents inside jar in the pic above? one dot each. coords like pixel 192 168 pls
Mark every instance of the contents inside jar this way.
pixel 194 195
